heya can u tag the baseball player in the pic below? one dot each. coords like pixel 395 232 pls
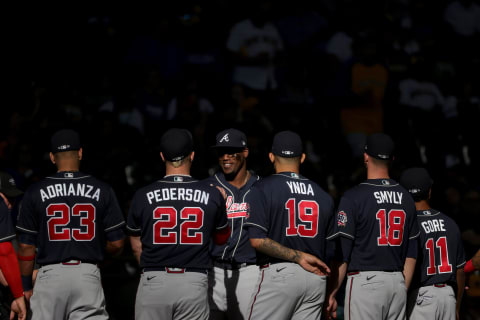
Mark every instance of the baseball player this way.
pixel 439 271
pixel 232 280
pixel 172 221
pixel 8 258
pixel 287 225
pixel 72 218
pixel 377 230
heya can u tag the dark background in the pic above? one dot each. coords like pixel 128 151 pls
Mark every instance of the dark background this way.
pixel 111 72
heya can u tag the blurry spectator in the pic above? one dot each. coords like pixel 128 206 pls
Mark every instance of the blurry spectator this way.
pixel 369 78
pixel 255 45
pixel 463 16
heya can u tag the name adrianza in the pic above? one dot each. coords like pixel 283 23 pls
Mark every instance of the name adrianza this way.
pixel 70 189
pixel 185 194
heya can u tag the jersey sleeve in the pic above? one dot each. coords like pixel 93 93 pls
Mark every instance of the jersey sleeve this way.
pixel 7 232
pixel 221 220
pixel 413 228
pixel 133 219
pixel 460 263
pixel 113 218
pixel 257 219
pixel 27 220
pixel 343 224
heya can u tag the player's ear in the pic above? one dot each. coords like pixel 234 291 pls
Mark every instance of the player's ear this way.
pixel 80 154
pixel 161 156
pixel 245 152
pixel 192 155
pixel 303 157
pixel 52 158
pixel 271 156
pixel 365 158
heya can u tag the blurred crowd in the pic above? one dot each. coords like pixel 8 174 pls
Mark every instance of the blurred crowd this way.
pixel 334 71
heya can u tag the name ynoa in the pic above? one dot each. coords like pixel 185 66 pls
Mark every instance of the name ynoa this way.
pixel 300 187
pixel 70 189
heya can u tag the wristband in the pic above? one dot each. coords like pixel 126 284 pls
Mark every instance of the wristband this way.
pixel 26 258
pixel 27 283
pixel 469 266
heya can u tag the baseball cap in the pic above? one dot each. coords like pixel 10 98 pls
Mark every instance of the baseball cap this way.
pixel 8 186
pixel 64 140
pixel 230 138
pixel 417 181
pixel 176 144
pixel 287 144
pixel 380 146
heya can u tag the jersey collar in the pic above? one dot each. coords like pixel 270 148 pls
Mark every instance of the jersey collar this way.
pixel 381 182
pixel 178 178
pixel 253 178
pixel 427 213
pixel 68 175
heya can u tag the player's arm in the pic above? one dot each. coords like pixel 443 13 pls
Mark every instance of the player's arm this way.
pixel 473 263
pixel 26 261
pixel 136 245
pixel 11 272
pixel 460 288
pixel 115 242
pixel 276 250
pixel 408 269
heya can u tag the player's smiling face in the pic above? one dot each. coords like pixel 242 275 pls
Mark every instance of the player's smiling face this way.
pixel 231 160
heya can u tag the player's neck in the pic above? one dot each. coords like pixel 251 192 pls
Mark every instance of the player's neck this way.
pixel 182 170
pixel 377 173
pixel 68 168
pixel 240 179
pixel 422 205
pixel 287 168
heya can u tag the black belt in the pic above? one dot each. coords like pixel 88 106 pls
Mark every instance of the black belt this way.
pixel 175 270
pixel 72 262
pixel 351 273
pixel 231 265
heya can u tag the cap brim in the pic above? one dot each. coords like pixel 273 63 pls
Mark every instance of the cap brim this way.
pixel 11 193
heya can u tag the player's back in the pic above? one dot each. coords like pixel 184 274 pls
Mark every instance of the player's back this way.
pixel 297 212
pixel 69 212
pixel 442 250
pixel 176 217
pixel 378 215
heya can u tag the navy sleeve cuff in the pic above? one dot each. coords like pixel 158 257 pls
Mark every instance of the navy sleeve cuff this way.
pixel 27 239
pixel 115 235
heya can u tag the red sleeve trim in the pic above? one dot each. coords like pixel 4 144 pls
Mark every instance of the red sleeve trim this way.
pixel 221 236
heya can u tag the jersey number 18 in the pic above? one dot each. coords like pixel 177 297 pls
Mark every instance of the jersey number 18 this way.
pixel 391 227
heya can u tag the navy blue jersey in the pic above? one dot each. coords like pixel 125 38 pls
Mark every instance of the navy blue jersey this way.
pixel 69 213
pixel 441 249
pixel 291 210
pixel 238 248
pixel 379 216
pixel 7 231
pixel 175 218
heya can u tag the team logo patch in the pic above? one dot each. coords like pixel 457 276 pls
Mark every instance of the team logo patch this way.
pixel 427 212
pixel 294 175
pixel 385 182
pixel 178 179
pixel 225 138
pixel 68 175
pixel 341 219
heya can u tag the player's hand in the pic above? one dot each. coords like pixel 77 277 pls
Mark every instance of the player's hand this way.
pixel 330 310
pixel 28 294
pixel 313 264
pixel 18 307
pixel 3 281
pixel 222 191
